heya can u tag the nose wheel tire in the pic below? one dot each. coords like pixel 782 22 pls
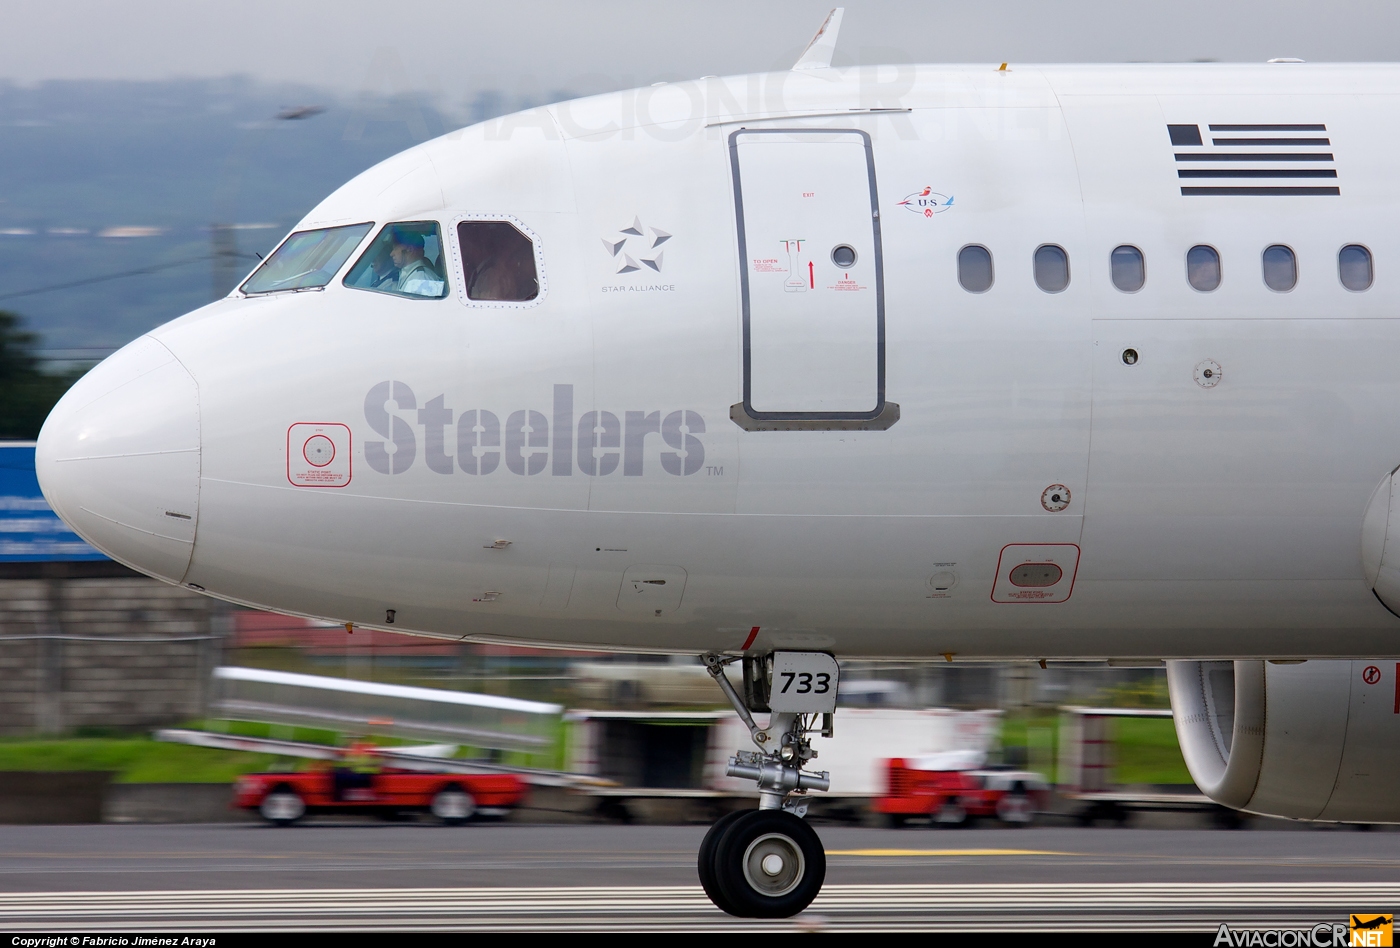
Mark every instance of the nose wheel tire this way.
pixel 765 864
pixel 705 863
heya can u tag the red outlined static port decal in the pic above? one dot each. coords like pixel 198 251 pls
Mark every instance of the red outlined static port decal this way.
pixel 1036 572
pixel 318 454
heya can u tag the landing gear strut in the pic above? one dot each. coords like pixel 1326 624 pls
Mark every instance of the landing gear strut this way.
pixel 768 863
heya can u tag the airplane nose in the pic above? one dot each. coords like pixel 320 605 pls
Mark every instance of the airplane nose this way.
pixel 118 459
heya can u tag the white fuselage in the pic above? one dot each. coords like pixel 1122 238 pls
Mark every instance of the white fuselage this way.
pixel 1201 520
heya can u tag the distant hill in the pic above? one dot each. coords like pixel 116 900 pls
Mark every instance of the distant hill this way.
pixel 106 177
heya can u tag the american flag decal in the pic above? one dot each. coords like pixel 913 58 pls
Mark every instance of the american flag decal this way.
pixel 1267 160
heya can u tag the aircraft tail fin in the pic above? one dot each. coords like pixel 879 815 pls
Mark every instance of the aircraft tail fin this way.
pixel 817 55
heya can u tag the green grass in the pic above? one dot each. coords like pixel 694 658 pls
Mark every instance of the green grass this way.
pixel 133 759
pixel 139 759
pixel 1145 749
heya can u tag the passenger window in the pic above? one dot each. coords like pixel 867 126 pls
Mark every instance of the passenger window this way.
pixel 1129 269
pixel 1051 268
pixel 975 268
pixel 1354 267
pixel 498 262
pixel 306 260
pixel 1203 268
pixel 405 259
pixel 1280 268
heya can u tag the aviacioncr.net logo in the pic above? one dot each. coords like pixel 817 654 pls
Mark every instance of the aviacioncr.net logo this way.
pixel 1321 935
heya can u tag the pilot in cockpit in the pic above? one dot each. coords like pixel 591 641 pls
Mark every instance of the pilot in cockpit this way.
pixel 416 275
pixel 383 274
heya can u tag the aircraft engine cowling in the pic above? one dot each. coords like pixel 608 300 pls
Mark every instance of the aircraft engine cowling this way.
pixel 1380 542
pixel 1314 740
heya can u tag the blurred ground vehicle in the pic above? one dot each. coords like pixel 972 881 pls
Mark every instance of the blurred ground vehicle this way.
pixel 453 798
pixel 953 788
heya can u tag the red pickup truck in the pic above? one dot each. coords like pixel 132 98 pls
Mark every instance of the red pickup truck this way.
pixel 951 797
pixel 284 798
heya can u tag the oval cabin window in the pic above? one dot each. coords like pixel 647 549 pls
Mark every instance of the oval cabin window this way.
pixel 1280 268
pixel 1051 268
pixel 1128 268
pixel 1203 268
pixel 975 268
pixel 1354 267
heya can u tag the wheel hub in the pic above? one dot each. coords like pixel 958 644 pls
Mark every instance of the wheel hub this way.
pixel 773 865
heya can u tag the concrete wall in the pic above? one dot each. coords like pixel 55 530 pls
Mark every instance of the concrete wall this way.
pixel 65 797
pixel 95 645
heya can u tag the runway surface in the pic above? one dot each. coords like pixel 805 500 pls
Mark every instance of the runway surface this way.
pixel 326 876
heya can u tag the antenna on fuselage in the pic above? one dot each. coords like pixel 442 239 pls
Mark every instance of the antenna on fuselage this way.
pixel 817 55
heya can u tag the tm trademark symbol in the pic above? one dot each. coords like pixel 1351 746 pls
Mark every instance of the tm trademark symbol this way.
pixel 714 471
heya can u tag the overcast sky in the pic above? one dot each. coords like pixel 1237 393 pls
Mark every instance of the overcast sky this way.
pixel 533 47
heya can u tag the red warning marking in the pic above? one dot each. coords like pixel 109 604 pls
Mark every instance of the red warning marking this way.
pixel 1371 675
pixel 811 275
pixel 753 634
pixel 1397 687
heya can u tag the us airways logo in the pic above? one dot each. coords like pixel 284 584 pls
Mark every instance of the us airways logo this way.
pixel 528 442
pixel 927 202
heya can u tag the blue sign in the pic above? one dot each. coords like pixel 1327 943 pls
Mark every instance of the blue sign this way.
pixel 29 529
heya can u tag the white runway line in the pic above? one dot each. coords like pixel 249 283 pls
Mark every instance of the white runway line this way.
pixel 1030 907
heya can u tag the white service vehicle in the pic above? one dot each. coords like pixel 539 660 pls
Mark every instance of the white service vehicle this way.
pixel 999 362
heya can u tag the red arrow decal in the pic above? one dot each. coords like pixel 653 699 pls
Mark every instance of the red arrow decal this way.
pixel 811 275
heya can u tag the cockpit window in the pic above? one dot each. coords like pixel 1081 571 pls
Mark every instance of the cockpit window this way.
pixel 306 260
pixel 406 259
pixel 498 262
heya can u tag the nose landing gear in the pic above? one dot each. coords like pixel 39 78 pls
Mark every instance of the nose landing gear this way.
pixel 762 864
pixel 768 863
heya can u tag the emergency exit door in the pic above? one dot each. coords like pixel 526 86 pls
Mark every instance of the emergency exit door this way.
pixel 808 220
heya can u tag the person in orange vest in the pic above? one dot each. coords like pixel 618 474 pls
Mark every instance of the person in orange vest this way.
pixel 356 769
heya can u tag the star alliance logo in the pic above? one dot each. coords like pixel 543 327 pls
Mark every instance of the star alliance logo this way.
pixel 642 241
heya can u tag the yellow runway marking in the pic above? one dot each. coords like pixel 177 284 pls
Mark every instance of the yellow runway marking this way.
pixel 946 852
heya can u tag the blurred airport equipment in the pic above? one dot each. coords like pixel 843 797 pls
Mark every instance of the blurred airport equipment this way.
pixel 655 750
pixel 430 758
pixel 684 754
pixel 954 787
pixel 624 684
pixel 347 705
pixel 89 642
pixel 452 798
pixel 1085 772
